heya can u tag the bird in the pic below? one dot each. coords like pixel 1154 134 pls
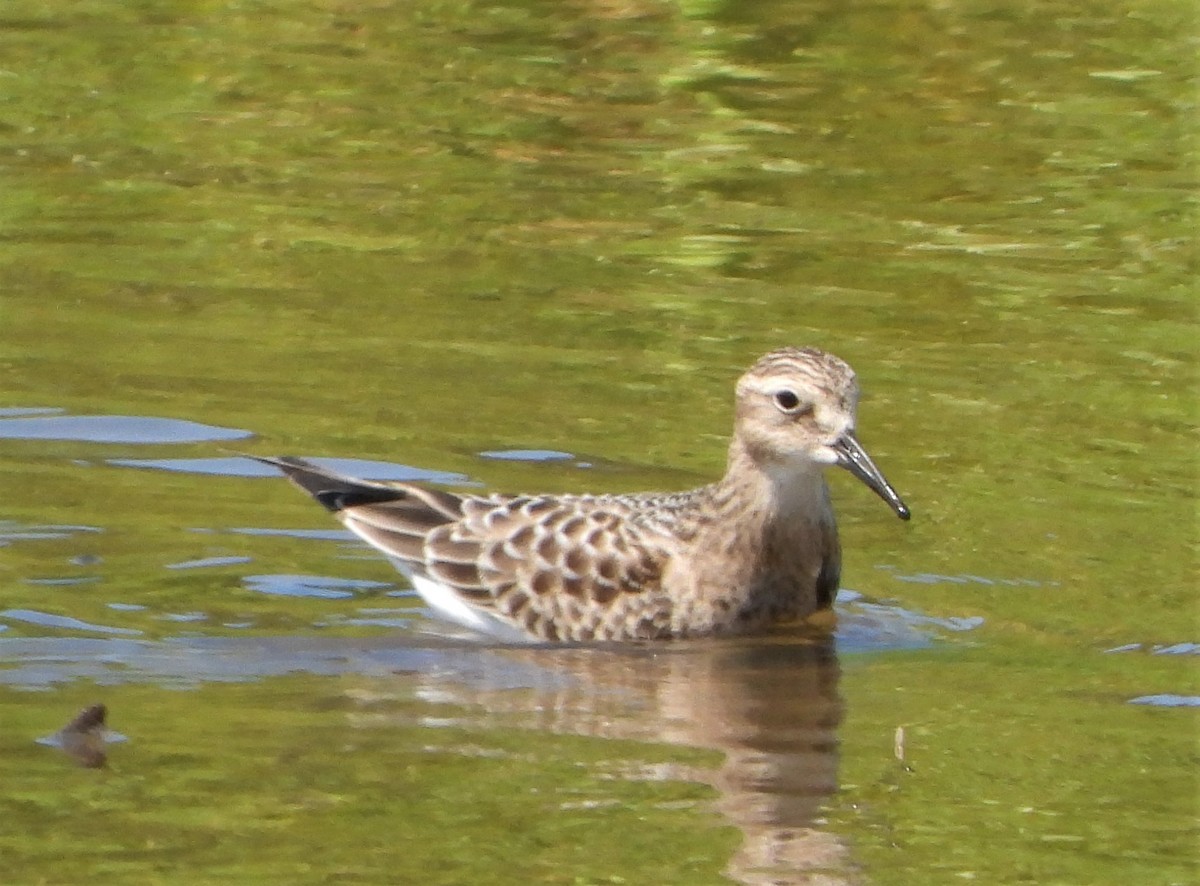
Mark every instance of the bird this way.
pixel 757 547
pixel 84 738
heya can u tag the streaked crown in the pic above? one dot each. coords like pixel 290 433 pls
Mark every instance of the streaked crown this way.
pixel 794 403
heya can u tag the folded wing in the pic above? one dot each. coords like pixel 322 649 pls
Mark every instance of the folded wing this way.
pixel 536 564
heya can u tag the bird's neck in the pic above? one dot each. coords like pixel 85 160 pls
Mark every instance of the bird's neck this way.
pixel 774 489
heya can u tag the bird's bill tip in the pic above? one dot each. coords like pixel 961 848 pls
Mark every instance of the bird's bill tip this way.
pixel 854 458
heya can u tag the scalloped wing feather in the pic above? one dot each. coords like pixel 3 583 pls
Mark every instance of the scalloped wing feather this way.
pixel 538 563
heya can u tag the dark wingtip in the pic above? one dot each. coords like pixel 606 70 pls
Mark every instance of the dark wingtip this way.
pixel 331 490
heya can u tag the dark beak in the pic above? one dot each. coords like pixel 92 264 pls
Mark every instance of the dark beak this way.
pixel 854 459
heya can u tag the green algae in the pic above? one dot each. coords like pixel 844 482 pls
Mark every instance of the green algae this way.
pixel 423 231
pixel 291 779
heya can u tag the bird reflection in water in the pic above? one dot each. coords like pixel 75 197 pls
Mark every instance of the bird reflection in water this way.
pixel 770 705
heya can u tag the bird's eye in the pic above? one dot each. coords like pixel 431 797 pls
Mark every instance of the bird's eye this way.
pixel 789 402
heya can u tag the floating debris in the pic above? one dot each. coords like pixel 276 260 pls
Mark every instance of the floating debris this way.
pixel 85 738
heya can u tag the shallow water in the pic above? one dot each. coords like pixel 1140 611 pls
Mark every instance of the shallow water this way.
pixel 529 247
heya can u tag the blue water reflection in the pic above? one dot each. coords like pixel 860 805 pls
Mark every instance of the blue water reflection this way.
pixel 115 429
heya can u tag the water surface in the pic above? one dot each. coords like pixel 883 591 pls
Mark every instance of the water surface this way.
pixel 529 247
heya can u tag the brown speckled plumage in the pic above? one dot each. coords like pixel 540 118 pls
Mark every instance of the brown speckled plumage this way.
pixel 756 547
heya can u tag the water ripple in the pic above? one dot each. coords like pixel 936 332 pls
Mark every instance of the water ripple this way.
pixel 115 429
pixel 46 620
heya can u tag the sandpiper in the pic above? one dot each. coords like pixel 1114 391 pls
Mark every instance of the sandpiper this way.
pixel 758 546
